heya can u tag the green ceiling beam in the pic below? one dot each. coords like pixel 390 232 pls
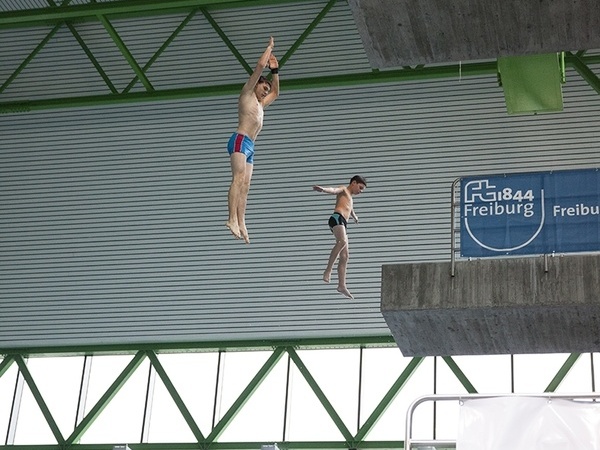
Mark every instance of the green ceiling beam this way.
pixel 579 63
pixel 292 445
pixel 120 8
pixel 256 344
pixel 312 83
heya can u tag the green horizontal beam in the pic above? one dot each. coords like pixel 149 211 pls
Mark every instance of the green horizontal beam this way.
pixel 115 9
pixel 240 345
pixel 313 445
pixel 579 63
pixel 389 76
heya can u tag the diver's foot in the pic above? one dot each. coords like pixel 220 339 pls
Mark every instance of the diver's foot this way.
pixel 244 235
pixel 344 291
pixel 234 228
pixel 327 276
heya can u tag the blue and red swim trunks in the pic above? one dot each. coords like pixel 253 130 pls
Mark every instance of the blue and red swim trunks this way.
pixel 240 143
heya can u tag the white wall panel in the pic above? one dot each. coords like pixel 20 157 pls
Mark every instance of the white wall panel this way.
pixel 112 218
pixel 112 223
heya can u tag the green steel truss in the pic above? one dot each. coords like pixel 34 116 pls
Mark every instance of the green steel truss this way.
pixel 210 439
pixel 64 14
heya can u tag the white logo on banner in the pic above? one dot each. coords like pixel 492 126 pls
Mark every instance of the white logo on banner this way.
pixel 482 200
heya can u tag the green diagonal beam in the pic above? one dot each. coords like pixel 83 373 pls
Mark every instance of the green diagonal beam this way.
pixel 39 400
pixel 460 375
pixel 321 396
pixel 562 372
pixel 106 398
pixel 32 55
pixel 162 48
pixel 92 59
pixel 126 53
pixel 213 23
pixel 86 49
pixel 5 364
pixel 175 396
pixel 582 69
pixel 387 399
pixel 245 395
pixel 306 32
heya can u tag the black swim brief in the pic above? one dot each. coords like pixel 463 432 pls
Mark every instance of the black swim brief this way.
pixel 337 219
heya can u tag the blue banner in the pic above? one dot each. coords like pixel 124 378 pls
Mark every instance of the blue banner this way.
pixel 530 213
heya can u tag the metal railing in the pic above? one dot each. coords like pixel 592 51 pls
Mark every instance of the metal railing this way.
pixel 411 443
pixel 454 204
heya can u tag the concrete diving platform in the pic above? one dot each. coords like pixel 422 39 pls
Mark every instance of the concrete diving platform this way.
pixel 494 306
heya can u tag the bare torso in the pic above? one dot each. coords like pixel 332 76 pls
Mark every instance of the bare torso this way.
pixel 250 112
pixel 344 203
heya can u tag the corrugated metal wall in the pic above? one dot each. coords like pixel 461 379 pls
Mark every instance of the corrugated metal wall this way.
pixel 112 219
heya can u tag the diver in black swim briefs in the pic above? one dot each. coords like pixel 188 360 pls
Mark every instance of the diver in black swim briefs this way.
pixel 338 222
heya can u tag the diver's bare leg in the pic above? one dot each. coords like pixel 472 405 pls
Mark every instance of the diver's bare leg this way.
pixel 238 166
pixel 341 240
pixel 241 212
pixel 342 266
